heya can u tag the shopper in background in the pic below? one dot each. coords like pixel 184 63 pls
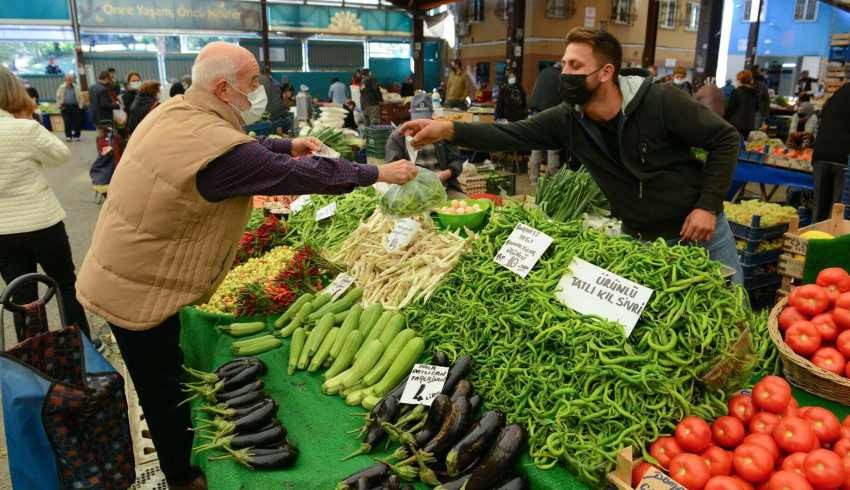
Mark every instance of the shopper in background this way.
pixel 680 79
pixel 168 233
pixel 407 87
pixel 134 83
pixel 143 104
pixel 743 104
pixel 32 233
pixel 803 128
pixel 711 96
pixel 114 84
pixel 805 87
pixel 285 85
pixel 728 89
pixel 274 97
pixel 180 86
pixel 458 87
pixel 760 84
pixel 52 68
pixel 511 104
pixel 288 98
pixel 636 139
pixel 370 98
pixel 350 121
pixel 32 92
pixel 303 104
pixel 544 96
pixel 69 98
pixel 337 92
pixel 102 103
pixel 831 145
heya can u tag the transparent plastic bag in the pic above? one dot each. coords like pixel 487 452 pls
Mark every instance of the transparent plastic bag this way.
pixel 420 195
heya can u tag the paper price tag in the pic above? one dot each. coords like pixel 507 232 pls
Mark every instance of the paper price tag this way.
pixel 275 207
pixel 592 290
pixel 299 204
pixel 424 384
pixel 402 234
pixel 339 285
pixel 656 480
pixel 522 249
pixel 327 152
pixel 326 212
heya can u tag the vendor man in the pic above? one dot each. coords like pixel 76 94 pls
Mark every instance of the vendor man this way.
pixel 635 138
pixel 440 157
pixel 169 231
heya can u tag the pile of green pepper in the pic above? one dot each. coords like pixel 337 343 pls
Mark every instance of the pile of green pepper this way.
pixel 583 390
pixel 328 234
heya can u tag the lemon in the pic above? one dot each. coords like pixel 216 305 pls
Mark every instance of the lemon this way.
pixel 816 234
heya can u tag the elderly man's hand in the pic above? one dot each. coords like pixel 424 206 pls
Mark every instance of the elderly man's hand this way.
pixel 699 226
pixel 305 146
pixel 397 172
pixel 427 131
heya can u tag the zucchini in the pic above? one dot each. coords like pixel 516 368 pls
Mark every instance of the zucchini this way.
pixel 375 332
pixel 361 366
pixel 349 325
pixel 400 367
pixel 323 351
pixel 318 334
pixel 346 354
pixel 263 344
pixel 395 325
pixel 340 317
pixel 321 300
pixel 290 312
pixel 299 337
pixel 356 397
pixel 339 305
pixel 370 315
pixel 242 329
pixel 298 320
pixel 390 354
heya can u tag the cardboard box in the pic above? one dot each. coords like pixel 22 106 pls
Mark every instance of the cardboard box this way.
pixel 654 479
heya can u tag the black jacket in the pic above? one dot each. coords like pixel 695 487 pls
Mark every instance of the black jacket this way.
pixel 545 92
pixel 742 108
pixel 101 103
pixel 658 181
pixel 511 104
pixel 447 157
pixel 833 141
pixel 142 105
pixel 128 97
pixel 370 95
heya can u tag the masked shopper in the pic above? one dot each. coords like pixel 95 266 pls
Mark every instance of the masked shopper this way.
pixel 635 138
pixel 169 230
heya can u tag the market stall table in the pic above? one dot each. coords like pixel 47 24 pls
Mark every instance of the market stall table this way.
pixel 766 175
pixel 317 424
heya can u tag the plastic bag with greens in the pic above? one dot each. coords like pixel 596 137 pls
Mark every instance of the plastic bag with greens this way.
pixel 420 195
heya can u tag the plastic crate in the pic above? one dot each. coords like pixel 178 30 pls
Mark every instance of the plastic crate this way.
pixel 839 53
pixel 769 257
pixel 752 156
pixel 755 232
pixel 763 296
pixel 757 276
pixel 496 183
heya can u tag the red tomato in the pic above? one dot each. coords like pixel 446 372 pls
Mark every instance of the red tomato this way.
pixel 830 359
pixel 693 434
pixel 741 407
pixel 638 472
pixel 752 462
pixel 772 393
pixel 763 423
pixel 842 343
pixel 794 434
pixel 843 301
pixel 810 300
pixel 824 469
pixel 727 431
pixel 690 470
pixel 845 431
pixel 841 317
pixel 724 483
pixel 788 480
pixel 846 484
pixel 664 450
pixel 719 461
pixel 835 280
pixel 791 409
pixel 803 338
pixel 842 447
pixel 826 326
pixel 825 424
pixel 789 316
pixel 794 463
pixel 764 440
pixel 846 421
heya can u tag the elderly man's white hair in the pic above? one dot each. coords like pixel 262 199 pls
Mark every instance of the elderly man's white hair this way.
pixel 220 61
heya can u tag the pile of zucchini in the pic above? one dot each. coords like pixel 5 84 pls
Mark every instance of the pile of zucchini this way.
pixel 444 445
pixel 367 355
pixel 243 419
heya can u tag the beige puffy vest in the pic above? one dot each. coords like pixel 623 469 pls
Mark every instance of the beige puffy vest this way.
pixel 158 245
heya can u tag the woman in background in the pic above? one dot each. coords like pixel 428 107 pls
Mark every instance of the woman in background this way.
pixel 743 104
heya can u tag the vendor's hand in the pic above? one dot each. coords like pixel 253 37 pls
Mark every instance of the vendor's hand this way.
pixel 428 131
pixel 444 175
pixel 699 226
pixel 397 172
pixel 305 146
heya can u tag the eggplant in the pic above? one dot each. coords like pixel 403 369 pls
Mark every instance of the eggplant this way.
pixel 363 483
pixel 250 398
pixel 271 435
pixel 227 395
pixel 499 459
pixel 474 402
pixel 385 411
pixel 470 447
pixel 453 426
pixel 376 472
pixel 238 413
pixel 282 457
pixel 393 483
pixel 439 358
pixel 232 367
pixel 440 406
pixel 516 483
pixel 462 388
pixel 454 484
pixel 457 372
pixel 257 418
pixel 242 377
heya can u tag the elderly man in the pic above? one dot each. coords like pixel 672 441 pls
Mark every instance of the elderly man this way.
pixel 168 232
pixel 70 100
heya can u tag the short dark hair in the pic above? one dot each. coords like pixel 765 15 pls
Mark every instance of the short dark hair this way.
pixel 111 70
pixel 606 47
pixel 336 79
pixel 150 87
pixel 131 74
pixel 104 75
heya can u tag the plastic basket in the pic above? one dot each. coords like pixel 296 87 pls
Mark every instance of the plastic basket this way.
pixel 800 371
pixel 769 257
pixel 755 232
pixel 751 156
pixel 763 296
pixel 496 183
pixel 758 276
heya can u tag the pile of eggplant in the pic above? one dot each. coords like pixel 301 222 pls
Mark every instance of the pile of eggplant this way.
pixel 242 417
pixel 443 445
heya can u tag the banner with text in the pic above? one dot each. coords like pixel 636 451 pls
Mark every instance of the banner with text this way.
pixel 215 15
pixel 336 20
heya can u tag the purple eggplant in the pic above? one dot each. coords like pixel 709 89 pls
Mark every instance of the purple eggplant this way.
pixel 227 395
pixel 452 429
pixel 499 459
pixel 457 372
pixel 516 483
pixel 440 407
pixel 376 473
pixel 242 377
pixel 272 435
pixel 462 388
pixel 474 443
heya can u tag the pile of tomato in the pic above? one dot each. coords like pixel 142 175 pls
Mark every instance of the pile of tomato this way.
pixel 816 322
pixel 766 441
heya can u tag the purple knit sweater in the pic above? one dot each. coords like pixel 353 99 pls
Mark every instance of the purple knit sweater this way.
pixel 266 167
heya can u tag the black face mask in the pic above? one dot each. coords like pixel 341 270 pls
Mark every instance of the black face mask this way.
pixel 573 88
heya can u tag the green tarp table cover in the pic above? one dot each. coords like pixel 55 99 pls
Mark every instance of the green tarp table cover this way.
pixel 318 424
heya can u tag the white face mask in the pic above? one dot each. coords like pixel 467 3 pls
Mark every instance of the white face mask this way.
pixel 678 81
pixel 135 85
pixel 258 101
pixel 511 80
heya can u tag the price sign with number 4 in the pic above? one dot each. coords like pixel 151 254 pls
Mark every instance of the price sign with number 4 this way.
pixel 424 384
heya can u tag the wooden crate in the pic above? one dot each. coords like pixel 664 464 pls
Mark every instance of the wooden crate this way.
pixel 842 39
pixel 835 226
pixel 621 477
